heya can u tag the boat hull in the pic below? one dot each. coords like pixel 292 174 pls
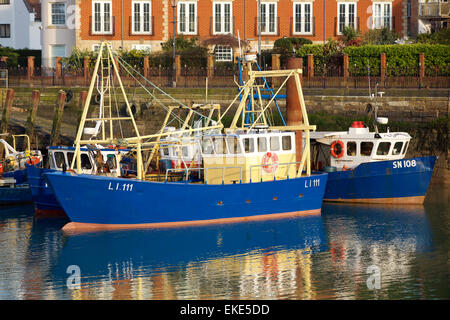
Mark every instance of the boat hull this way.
pixel 104 202
pixel 15 195
pixel 403 181
pixel 45 203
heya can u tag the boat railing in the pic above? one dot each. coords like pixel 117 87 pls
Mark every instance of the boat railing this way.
pixel 205 172
pixel 261 167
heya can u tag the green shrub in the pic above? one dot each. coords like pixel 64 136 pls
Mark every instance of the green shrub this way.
pixel 11 54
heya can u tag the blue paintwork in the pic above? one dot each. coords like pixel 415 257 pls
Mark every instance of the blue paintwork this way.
pixel 19 175
pixel 42 194
pixel 20 193
pixel 377 180
pixel 105 200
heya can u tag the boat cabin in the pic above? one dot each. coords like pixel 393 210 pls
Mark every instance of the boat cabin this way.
pixel 347 149
pixel 93 160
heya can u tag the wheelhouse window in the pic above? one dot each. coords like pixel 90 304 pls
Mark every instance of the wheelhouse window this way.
pixel 187 17
pixel 351 148
pixel 366 148
pixel 102 17
pixel 249 145
pixel 302 18
pixel 406 147
pixel 233 145
pixel 268 18
pixel 70 157
pixel 85 162
pixel 223 53
pixel 219 145
pixel 286 143
pixel 275 143
pixel 58 14
pixel 346 15
pixel 222 17
pixel 383 148
pixel 59 159
pixel 141 17
pixel 207 146
pixel 397 148
pixel 262 144
pixel 382 15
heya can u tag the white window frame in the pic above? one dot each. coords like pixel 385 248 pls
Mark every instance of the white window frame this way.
pixel 221 54
pixel 141 21
pixel 302 18
pixel 53 57
pixel 265 21
pixel 96 47
pixel 102 17
pixel 346 16
pixel 187 14
pixel 379 18
pixel 53 14
pixel 223 18
pixel 142 47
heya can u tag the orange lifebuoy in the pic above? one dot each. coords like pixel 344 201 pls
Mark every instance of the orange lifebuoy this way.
pixel 337 149
pixel 1 168
pixel 270 162
pixel 33 160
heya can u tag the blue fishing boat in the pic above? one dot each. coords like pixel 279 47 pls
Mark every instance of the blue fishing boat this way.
pixel 60 158
pixel 370 167
pixel 246 171
pixel 14 186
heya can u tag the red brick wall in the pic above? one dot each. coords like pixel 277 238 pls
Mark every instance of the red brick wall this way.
pixel 205 11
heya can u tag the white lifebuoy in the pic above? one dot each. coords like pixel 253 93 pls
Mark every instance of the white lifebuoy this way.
pixel 270 162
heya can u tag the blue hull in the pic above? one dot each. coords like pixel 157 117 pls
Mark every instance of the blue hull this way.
pixel 397 181
pixel 44 199
pixel 118 202
pixel 20 193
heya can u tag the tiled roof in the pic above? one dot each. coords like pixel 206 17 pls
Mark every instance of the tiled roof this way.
pixel 34 6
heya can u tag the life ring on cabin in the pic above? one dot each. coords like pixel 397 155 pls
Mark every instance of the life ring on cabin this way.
pixel 33 161
pixel 1 168
pixel 270 162
pixel 337 149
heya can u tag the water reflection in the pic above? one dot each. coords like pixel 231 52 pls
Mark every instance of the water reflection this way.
pixel 316 257
pixel 245 260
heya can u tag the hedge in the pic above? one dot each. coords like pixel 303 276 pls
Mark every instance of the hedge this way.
pixel 401 60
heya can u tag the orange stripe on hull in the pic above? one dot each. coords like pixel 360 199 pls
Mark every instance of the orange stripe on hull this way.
pixel 77 227
pixel 38 213
pixel 401 200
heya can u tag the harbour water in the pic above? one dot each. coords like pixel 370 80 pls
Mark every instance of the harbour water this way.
pixel 347 252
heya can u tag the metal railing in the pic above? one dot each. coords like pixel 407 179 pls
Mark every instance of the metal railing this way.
pixel 205 170
pixel 261 166
pixel 434 9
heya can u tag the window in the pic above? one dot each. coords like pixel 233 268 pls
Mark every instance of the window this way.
pixel 102 21
pixel 59 159
pixel 397 148
pixel 268 18
pixel 58 13
pixel 249 145
pixel 366 148
pixel 187 17
pixel 85 162
pixel 223 53
pixel 382 15
pixel 141 17
pixel 233 145
pixel 219 145
pixel 185 151
pixel 302 18
pixel 262 144
pixel 5 2
pixel 5 31
pixel 286 143
pixel 70 157
pixel 275 143
pixel 96 47
pixel 383 148
pixel 222 17
pixel 111 161
pixel 351 148
pixel 406 147
pixel 57 51
pixel 207 146
pixel 142 47
pixel 346 15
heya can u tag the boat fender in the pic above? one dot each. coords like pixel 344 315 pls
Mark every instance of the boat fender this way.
pixel 337 149
pixel 270 162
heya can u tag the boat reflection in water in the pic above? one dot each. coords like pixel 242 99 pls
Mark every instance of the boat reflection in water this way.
pixel 259 259
pixel 390 238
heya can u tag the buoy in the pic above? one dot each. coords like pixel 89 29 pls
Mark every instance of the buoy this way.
pixel 337 149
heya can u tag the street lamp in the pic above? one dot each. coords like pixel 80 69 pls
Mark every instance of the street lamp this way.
pixel 174 5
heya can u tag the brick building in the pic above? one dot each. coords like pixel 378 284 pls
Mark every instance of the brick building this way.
pixel 145 24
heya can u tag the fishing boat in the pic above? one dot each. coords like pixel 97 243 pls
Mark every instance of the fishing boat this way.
pixel 246 172
pixel 112 161
pixel 14 186
pixel 370 166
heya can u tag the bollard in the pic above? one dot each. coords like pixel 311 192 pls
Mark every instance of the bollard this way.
pixel 7 110
pixel 29 126
pixel 59 109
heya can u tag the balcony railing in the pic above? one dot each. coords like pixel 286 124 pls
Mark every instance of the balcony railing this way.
pixel 212 28
pixel 337 32
pixel 312 31
pixel 111 32
pixel 131 31
pixel 276 32
pixel 438 9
